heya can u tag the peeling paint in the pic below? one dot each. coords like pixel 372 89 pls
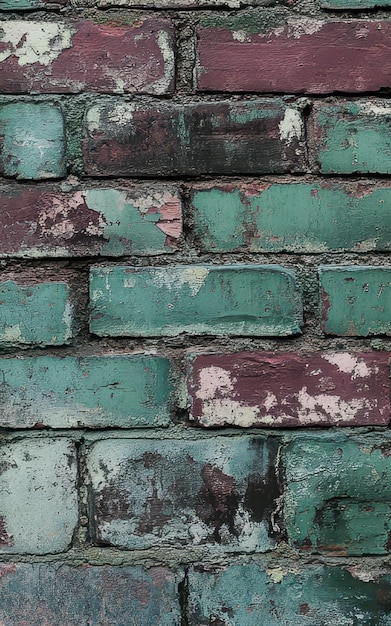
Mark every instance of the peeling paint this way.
pixel 34 42
pixel 177 278
pixel 291 126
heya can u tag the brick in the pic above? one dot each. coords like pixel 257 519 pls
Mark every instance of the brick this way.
pixel 290 390
pixel 93 391
pixel 315 596
pixel 47 222
pixel 248 300
pixel 34 313
pixel 38 507
pixel 217 494
pixel 355 301
pixel 351 137
pixel 26 5
pixel 32 141
pixel 338 495
pixel 137 58
pixel 56 593
pixel 354 4
pixel 180 4
pixel 305 55
pixel 322 216
pixel 166 139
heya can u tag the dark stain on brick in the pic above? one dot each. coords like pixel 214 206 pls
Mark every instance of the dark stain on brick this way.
pixel 304 609
pixel 261 494
pixel 5 540
pixel 217 501
pixel 157 512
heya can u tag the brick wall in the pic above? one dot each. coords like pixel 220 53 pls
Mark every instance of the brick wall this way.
pixel 195 312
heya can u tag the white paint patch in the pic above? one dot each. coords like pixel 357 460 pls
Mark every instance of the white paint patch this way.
pixel 166 48
pixel 366 246
pixel 323 407
pixel 303 26
pixel 67 319
pixel 153 201
pixel 270 401
pixel 221 411
pixel 129 283
pixel 374 108
pixel 12 333
pixel 240 35
pixel 35 42
pixel 93 118
pixel 121 114
pixel 249 531
pixel 54 220
pixel 176 278
pixel 291 126
pixel 214 379
pixel 350 364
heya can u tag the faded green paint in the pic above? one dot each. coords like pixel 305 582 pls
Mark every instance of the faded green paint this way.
pixel 38 505
pixel 354 4
pixel 338 496
pixel 354 137
pixel 246 595
pixel 355 301
pixel 121 390
pixel 250 21
pixel 128 229
pixel 320 218
pixel 21 5
pixel 249 300
pixel 33 141
pixel 39 314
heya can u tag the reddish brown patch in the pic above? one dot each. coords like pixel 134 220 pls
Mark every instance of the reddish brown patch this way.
pixel 5 539
pixel 304 608
pixel 345 56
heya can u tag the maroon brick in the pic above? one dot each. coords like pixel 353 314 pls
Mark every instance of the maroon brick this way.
pixel 304 56
pixel 288 390
pixel 257 136
pixel 110 221
pixel 84 56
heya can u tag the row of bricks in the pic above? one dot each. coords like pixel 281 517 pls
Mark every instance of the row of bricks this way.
pixel 147 219
pixel 263 136
pixel 335 56
pixel 252 389
pixel 241 593
pixel 23 5
pixel 324 494
pixel 237 300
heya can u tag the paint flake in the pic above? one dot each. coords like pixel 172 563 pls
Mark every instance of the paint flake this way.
pixel 34 42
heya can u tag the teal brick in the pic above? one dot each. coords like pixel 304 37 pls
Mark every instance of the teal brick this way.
pixel 322 217
pixel 247 595
pixel 94 391
pixel 33 141
pixel 354 4
pixel 351 137
pixel 26 5
pixel 355 300
pixel 35 314
pixel 338 495
pixel 44 594
pixel 238 299
pixel 38 505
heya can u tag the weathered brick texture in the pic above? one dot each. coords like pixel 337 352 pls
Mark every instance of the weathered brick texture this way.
pixel 265 389
pixel 302 56
pixel 255 137
pixel 68 56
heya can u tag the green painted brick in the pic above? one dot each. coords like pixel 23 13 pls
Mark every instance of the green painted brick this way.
pixel 354 4
pixel 26 5
pixel 250 300
pixel 33 141
pixel 248 595
pixel 355 300
pixel 351 137
pixel 39 504
pixel 331 216
pixel 36 314
pixel 94 391
pixel 338 495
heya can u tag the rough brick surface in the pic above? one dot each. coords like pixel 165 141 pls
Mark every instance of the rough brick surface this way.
pixel 218 493
pixel 87 57
pixel 354 4
pixel 338 495
pixel 181 4
pixel 249 595
pixel 43 594
pixel 99 391
pixel 355 301
pixel 35 313
pixel 111 221
pixel 200 300
pixel 38 506
pixel 260 136
pixel 32 141
pixel 304 56
pixel 23 5
pixel 264 389
pixel 322 216
pixel 351 136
